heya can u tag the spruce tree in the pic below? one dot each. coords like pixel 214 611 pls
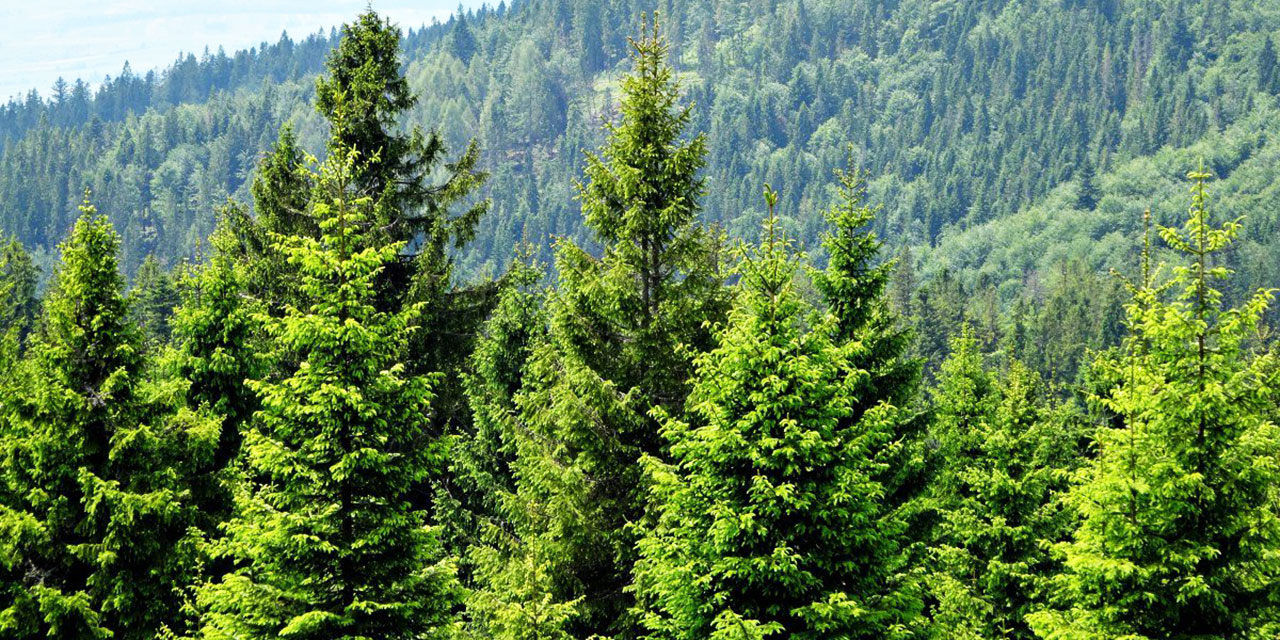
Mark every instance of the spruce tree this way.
pixel 154 297
pixel 1268 69
pixel 1180 523
pixel 93 476
pixel 327 540
pixel 769 517
pixel 621 328
pixel 1087 190
pixel 18 280
pixel 364 97
pixel 854 287
pixel 1006 454
pixel 480 461
pixel 216 344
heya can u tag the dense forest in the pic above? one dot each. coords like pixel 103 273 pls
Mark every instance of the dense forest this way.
pixel 730 320
pixel 1013 145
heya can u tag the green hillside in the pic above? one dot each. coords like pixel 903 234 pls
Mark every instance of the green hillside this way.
pixel 964 112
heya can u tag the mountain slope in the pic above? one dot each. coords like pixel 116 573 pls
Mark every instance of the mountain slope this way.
pixel 967 112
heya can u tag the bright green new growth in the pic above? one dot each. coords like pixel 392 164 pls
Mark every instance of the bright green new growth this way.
pixel 769 517
pixel 94 498
pixel 1006 455
pixel 1180 523
pixel 327 542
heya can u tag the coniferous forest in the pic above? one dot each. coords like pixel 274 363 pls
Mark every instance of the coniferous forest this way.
pixel 714 319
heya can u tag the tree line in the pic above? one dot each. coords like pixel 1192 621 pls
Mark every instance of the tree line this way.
pixel 322 430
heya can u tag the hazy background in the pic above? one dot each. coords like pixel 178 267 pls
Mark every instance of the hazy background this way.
pixel 89 39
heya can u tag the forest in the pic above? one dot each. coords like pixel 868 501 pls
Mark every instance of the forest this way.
pixel 729 320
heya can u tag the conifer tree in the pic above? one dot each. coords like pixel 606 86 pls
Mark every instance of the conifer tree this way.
pixel 1268 69
pixel 327 540
pixel 621 328
pixel 364 96
pixel 1087 194
pixel 93 475
pixel 18 280
pixel 853 285
pixel 480 461
pixel 154 297
pixel 1180 523
pixel 769 517
pixel 216 344
pixel 1006 459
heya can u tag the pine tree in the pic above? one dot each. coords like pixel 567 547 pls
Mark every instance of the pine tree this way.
pixel 1007 455
pixel 854 287
pixel 769 517
pixel 462 43
pixel 93 495
pixel 326 538
pixel 364 96
pixel 480 465
pixel 621 329
pixel 1180 520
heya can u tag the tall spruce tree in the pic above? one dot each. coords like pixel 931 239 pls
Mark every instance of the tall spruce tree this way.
pixel 1180 515
pixel 363 96
pixel 853 285
pixel 770 519
pixel 153 299
pixel 94 503
pixel 327 540
pixel 480 461
pixel 622 328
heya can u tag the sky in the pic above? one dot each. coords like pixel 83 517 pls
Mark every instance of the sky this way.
pixel 42 40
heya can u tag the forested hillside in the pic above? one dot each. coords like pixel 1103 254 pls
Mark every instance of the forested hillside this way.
pixel 734 321
pixel 964 112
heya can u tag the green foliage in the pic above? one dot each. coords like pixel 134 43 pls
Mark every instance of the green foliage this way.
pixel 1006 455
pixel 769 518
pixel 325 537
pixel 1179 508
pixel 94 497
pixel 480 460
pixel 18 302
pixel 621 329
pixel 153 299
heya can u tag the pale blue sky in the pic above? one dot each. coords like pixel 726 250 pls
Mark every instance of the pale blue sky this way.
pixel 41 40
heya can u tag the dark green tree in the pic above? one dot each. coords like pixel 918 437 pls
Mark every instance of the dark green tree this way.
pixel 462 43
pixel 364 96
pixel 1180 522
pixel 1087 188
pixel 217 343
pixel 480 472
pixel 93 476
pixel 18 280
pixel 327 540
pixel 1268 69
pixel 622 327
pixel 152 301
